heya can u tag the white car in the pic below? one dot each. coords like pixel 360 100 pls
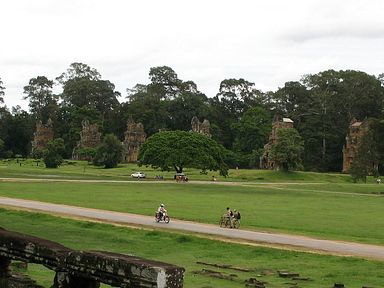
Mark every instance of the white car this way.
pixel 138 175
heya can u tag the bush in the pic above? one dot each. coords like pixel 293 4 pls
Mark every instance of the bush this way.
pixel 37 154
pixel 52 156
pixel 108 153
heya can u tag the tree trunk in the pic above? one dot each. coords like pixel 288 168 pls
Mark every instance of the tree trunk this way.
pixel 178 169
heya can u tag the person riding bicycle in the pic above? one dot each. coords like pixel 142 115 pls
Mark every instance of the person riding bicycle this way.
pixel 235 220
pixel 236 217
pixel 162 211
pixel 229 216
pixel 229 213
pixel 236 214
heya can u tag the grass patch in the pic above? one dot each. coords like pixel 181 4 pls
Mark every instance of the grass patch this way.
pixel 333 211
pixel 82 170
pixel 186 250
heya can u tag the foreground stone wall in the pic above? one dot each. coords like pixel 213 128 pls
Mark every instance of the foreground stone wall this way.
pixel 86 269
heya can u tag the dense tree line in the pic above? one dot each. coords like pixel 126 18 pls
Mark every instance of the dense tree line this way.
pixel 321 105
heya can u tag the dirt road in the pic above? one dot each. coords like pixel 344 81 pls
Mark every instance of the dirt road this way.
pixel 269 239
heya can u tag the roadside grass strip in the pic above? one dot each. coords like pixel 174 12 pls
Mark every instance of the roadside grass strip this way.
pixel 208 263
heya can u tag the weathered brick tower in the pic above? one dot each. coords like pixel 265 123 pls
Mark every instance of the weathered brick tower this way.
pixel 41 137
pixel 90 137
pixel 134 137
pixel 356 131
pixel 202 128
pixel 265 162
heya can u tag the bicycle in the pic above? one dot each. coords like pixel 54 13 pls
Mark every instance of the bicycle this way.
pixel 225 222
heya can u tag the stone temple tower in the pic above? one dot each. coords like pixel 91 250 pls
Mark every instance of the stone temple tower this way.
pixel 134 137
pixel 265 162
pixel 41 137
pixel 90 137
pixel 356 131
pixel 202 128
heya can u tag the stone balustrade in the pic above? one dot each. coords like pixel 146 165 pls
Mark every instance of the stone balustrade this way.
pixel 85 269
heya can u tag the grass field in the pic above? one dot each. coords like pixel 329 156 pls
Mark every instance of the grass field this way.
pixel 327 206
pixel 185 251
pixel 332 211
pixel 81 170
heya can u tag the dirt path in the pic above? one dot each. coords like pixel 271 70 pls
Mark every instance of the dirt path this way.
pixel 252 237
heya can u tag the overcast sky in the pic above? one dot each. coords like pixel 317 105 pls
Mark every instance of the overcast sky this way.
pixel 206 41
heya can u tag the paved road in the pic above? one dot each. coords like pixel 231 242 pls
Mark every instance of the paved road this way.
pixel 272 239
pixel 232 183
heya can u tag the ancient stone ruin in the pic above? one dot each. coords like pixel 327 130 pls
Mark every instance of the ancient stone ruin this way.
pixel 134 137
pixel 278 123
pixel 357 129
pixel 90 137
pixel 41 137
pixel 202 128
pixel 82 269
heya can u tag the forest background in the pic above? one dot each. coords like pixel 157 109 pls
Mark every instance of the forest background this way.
pixel 321 105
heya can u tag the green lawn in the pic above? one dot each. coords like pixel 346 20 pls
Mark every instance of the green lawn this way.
pixel 333 211
pixel 81 170
pixel 185 251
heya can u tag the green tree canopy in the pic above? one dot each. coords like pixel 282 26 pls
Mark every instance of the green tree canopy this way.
pixel 98 94
pixel 188 104
pixel 180 149
pixel 108 153
pixel 42 102
pixel 1 147
pixel 370 152
pixel 366 161
pixel 252 131
pixel 82 86
pixel 287 150
pixel 337 98
pixel 69 124
pixel 53 155
pixel 377 126
pixel 235 97
pixel 165 103
pixel 145 106
pixel 16 130
pixel 79 70
pixel 164 82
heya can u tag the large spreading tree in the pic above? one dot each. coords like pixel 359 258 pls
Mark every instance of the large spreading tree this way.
pixel 177 150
